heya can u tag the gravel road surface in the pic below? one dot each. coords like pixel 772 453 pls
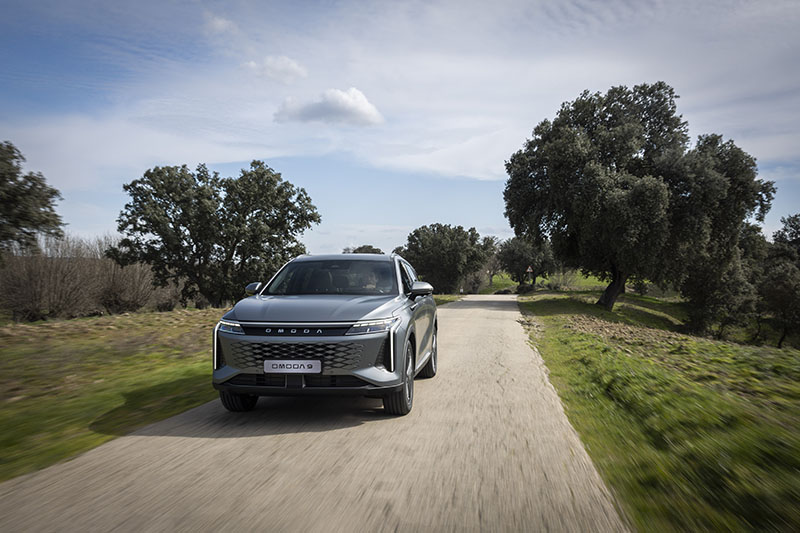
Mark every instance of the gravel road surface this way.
pixel 486 448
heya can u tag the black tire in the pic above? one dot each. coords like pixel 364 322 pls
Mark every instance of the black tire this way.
pixel 237 403
pixel 400 402
pixel 429 370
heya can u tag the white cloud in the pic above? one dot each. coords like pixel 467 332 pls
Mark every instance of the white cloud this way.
pixel 461 85
pixel 334 106
pixel 219 25
pixel 278 68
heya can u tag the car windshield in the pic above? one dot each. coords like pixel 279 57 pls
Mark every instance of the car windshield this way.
pixel 340 276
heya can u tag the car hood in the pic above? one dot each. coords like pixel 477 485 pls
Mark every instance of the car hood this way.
pixel 312 308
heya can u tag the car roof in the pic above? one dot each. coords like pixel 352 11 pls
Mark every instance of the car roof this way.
pixel 345 257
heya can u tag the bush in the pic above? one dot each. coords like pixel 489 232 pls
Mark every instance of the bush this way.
pixel 166 298
pixel 121 289
pixel 70 277
pixel 641 287
pixel 474 282
pixel 57 280
pixel 561 279
pixel 524 288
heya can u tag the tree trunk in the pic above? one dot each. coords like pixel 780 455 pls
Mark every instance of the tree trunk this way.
pixel 614 289
pixel 757 334
pixel 783 337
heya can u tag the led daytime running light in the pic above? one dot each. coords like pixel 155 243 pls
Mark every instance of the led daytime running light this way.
pixel 230 327
pixel 372 326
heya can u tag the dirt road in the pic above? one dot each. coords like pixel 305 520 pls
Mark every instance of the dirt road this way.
pixel 486 447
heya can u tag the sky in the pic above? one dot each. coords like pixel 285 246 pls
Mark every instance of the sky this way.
pixel 391 115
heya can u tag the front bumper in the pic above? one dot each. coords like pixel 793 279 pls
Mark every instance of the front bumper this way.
pixel 297 385
pixel 351 365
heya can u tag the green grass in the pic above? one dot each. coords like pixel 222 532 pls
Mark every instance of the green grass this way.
pixel 691 434
pixel 499 282
pixel 68 386
pixel 442 299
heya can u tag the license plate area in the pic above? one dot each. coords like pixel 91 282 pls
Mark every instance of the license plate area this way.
pixel 292 366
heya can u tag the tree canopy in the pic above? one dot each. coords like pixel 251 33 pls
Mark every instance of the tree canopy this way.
pixel 216 234
pixel 789 234
pixel 26 202
pixel 612 182
pixel 517 254
pixel 443 254
pixel 363 249
pixel 779 280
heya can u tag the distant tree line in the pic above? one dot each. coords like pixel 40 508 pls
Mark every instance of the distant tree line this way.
pixel 187 237
pixel 363 249
pixel 611 186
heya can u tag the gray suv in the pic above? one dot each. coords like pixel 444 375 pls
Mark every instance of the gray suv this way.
pixel 332 324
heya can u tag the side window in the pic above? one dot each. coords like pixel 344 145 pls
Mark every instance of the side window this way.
pixel 406 278
pixel 412 272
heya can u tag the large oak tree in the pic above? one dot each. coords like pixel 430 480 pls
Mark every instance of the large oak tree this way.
pixel 215 234
pixel 614 185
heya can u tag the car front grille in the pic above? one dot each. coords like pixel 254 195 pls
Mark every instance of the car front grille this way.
pixel 338 355
pixel 310 380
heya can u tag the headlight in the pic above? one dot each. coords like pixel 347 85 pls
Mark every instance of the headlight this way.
pixel 230 327
pixel 372 326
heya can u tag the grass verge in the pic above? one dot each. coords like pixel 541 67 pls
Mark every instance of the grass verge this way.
pixel 442 299
pixel 690 433
pixel 68 386
pixel 499 281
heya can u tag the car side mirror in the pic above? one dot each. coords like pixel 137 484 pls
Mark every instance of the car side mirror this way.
pixel 253 288
pixel 421 288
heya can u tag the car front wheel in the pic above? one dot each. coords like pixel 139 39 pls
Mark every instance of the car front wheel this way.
pixel 400 402
pixel 237 402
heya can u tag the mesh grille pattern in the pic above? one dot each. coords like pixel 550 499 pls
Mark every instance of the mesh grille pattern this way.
pixel 341 355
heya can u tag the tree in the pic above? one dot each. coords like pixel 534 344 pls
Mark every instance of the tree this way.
pixel 789 234
pixel 490 245
pixel 26 203
pixel 612 183
pixel 363 249
pixel 716 196
pixel 443 255
pixel 780 290
pixel 779 286
pixel 754 251
pixel 517 254
pixel 493 266
pixel 216 234
pixel 477 279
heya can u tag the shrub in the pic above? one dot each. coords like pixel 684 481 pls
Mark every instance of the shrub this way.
pixel 57 280
pixel 561 279
pixel 641 287
pixel 524 288
pixel 121 289
pixel 474 282
pixel 166 298
pixel 70 277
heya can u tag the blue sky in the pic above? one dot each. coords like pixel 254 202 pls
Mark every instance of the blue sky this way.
pixel 391 114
